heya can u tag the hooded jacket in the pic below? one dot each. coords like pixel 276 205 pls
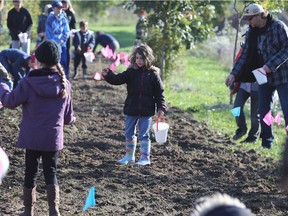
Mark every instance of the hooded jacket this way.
pixel 44 111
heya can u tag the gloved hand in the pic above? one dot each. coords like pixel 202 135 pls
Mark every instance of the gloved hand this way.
pixel 10 84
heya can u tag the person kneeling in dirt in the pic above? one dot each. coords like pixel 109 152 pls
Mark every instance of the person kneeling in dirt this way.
pixel 46 106
pixel 17 63
pixel 220 205
pixel 84 41
pixel 145 93
pixel 105 39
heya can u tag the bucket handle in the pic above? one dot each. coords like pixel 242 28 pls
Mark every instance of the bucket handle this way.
pixel 157 121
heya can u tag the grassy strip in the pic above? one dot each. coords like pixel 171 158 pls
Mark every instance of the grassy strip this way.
pixel 199 88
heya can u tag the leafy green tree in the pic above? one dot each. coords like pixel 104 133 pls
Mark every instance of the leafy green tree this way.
pixel 175 24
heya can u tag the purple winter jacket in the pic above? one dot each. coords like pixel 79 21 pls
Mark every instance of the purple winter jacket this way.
pixel 44 111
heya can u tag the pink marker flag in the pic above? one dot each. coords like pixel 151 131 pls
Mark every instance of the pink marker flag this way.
pixel 117 62
pixel 104 52
pixel 277 119
pixel 287 128
pixel 126 57
pixel 1 105
pixel 122 55
pixel 126 63
pixel 268 119
pixel 112 67
pixel 114 55
pixel 110 53
pixel 98 76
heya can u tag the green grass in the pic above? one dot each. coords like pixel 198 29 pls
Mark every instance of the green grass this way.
pixel 199 88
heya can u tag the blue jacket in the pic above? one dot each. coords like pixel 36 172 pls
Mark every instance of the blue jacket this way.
pixel 89 40
pixel 145 91
pixel 44 111
pixel 57 28
pixel 16 63
pixel 274 48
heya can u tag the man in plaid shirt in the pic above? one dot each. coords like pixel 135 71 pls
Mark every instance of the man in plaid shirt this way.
pixel 266 46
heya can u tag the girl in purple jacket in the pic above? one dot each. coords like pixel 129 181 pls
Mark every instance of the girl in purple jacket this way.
pixel 145 95
pixel 46 107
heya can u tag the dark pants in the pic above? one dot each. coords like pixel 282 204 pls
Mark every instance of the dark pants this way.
pixel 77 59
pixel 32 161
pixel 240 100
pixel 266 94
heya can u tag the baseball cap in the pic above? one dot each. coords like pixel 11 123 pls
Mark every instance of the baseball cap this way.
pixel 252 10
pixel 57 4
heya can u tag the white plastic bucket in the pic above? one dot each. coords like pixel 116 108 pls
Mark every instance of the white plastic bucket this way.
pixel 23 37
pixel 162 132
pixel 260 75
pixel 4 164
pixel 89 56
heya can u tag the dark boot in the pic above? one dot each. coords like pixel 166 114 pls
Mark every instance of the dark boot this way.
pixel 53 198
pixel 29 198
pixel 75 74
pixel 84 73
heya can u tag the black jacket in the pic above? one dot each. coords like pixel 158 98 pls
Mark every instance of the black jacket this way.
pixel 144 91
pixel 18 22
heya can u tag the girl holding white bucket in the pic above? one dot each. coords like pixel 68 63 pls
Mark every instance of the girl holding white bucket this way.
pixel 145 94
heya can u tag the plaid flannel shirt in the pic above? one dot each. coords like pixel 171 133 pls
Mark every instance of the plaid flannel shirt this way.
pixel 274 48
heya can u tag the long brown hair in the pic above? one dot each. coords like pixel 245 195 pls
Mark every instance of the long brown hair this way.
pixel 146 52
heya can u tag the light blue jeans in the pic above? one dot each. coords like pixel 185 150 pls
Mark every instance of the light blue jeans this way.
pixel 25 46
pixel 143 123
pixel 266 93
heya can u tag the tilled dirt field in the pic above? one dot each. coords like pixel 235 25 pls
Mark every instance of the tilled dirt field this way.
pixel 194 162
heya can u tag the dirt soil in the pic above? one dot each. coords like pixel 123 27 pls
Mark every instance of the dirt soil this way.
pixel 194 162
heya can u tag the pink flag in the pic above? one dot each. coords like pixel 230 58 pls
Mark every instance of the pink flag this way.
pixel 112 67
pixel 126 57
pixel 117 62
pixel 104 52
pixel 287 128
pixel 268 119
pixel 127 63
pixel 277 119
pixel 110 53
pixel 98 76
pixel 114 55
pixel 122 55
pixel 1 105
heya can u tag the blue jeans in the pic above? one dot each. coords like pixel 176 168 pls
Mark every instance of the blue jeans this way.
pixel 143 123
pixel 63 60
pixel 32 161
pixel 240 100
pixel 266 93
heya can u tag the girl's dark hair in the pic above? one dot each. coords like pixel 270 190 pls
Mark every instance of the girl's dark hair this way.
pixel 146 52
pixel 63 80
